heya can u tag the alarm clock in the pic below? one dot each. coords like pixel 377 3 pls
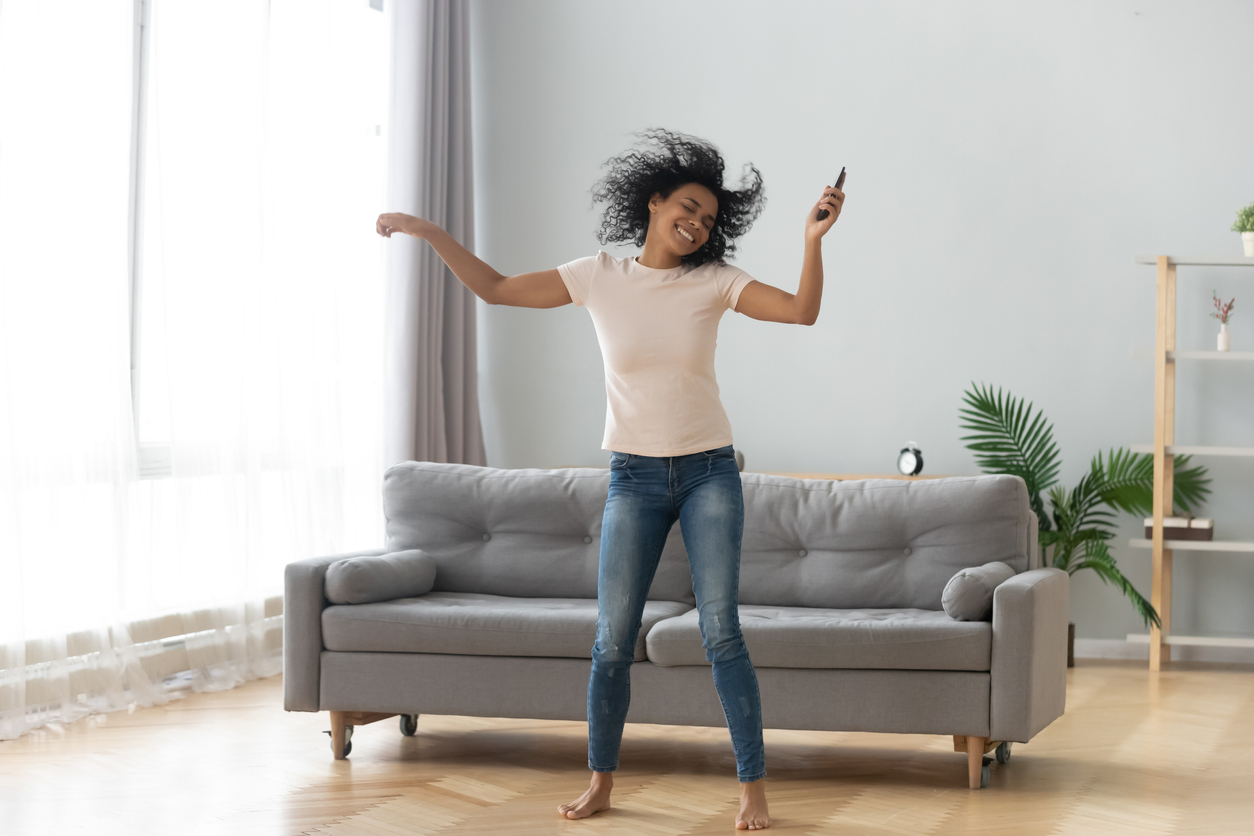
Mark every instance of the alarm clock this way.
pixel 910 461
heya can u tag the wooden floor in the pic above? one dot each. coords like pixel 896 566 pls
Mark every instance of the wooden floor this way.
pixel 1136 753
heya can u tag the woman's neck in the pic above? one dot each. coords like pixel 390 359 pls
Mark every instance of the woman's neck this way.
pixel 658 257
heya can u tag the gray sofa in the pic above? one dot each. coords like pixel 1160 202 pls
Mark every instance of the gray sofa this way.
pixel 841 608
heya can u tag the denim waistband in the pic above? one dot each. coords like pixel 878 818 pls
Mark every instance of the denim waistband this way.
pixel 724 449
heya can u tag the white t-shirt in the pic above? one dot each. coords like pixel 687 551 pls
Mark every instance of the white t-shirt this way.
pixel 658 330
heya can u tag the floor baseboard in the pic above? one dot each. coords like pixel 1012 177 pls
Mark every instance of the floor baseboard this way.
pixel 1122 649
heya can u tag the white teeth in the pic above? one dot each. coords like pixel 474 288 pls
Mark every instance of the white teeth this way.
pixel 686 234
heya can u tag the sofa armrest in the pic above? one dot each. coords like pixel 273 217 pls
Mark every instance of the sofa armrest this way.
pixel 304 600
pixel 1029 665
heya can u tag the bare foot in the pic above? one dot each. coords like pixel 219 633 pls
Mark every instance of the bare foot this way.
pixel 753 814
pixel 596 799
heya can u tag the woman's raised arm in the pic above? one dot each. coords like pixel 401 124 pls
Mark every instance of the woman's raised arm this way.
pixel 544 289
pixel 771 304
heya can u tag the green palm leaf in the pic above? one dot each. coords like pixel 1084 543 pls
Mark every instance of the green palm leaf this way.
pixel 1050 538
pixel 1098 558
pixel 1127 481
pixel 1007 437
pixel 1189 484
pixel 1081 512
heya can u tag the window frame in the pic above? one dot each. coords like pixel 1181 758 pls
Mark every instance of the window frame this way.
pixel 154 459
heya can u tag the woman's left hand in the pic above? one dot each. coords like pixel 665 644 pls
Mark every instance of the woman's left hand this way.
pixel 832 200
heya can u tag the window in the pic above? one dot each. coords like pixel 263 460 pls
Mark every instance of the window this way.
pixel 190 290
pixel 261 157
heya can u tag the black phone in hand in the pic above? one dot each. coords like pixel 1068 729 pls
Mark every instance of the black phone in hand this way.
pixel 840 181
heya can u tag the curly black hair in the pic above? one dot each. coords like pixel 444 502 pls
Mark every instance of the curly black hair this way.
pixel 661 163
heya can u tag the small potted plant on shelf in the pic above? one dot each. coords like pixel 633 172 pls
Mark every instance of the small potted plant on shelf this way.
pixel 1244 224
pixel 1222 312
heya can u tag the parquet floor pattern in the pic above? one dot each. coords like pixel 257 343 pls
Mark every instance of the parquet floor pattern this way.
pixel 1136 753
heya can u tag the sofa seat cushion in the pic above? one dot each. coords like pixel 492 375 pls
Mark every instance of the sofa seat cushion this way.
pixel 476 624
pixel 808 637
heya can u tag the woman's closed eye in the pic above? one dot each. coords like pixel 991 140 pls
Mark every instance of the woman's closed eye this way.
pixel 692 210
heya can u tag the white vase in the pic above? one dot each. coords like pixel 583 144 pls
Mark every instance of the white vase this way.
pixel 1247 238
pixel 1225 341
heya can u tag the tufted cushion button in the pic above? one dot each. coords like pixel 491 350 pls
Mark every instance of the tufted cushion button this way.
pixel 587 538
pixel 906 551
pixel 487 537
pixel 801 553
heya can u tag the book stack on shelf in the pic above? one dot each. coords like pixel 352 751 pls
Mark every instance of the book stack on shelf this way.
pixel 1182 528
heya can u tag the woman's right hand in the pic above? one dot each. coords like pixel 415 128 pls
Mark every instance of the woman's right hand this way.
pixel 390 222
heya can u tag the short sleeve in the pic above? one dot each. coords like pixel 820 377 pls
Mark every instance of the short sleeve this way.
pixel 577 276
pixel 731 281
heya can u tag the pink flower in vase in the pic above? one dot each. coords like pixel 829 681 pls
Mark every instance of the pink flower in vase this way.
pixel 1222 312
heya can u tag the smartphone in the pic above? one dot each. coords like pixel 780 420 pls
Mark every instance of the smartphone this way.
pixel 840 181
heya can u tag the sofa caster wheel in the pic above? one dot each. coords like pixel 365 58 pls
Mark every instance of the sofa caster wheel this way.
pixel 348 740
pixel 409 724
pixel 984 772
pixel 1003 752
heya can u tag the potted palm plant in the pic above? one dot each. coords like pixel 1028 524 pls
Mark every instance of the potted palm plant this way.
pixel 1008 436
pixel 1244 224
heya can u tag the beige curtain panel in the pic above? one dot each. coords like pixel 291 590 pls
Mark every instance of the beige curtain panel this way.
pixel 432 403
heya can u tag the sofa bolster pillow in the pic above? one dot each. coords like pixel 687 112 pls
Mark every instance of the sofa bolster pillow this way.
pixel 384 577
pixel 969 594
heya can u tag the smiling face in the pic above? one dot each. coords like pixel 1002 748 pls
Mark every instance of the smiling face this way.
pixel 682 221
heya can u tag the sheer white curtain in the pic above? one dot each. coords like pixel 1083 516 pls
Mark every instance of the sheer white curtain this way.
pixel 146 515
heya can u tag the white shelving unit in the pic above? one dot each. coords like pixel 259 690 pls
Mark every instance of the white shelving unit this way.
pixel 1165 450
pixel 1172 356
pixel 1194 450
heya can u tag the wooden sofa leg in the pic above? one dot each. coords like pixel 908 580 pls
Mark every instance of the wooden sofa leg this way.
pixel 337 734
pixel 975 760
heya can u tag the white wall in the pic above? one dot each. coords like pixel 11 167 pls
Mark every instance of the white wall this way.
pixel 1006 162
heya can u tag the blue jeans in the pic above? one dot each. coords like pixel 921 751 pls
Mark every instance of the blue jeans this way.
pixel 647 495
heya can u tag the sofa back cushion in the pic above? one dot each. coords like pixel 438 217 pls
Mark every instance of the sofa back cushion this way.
pixel 519 533
pixel 876 542
pixel 807 542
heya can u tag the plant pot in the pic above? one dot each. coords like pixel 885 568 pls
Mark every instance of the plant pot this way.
pixel 1071 644
pixel 1247 238
pixel 1224 342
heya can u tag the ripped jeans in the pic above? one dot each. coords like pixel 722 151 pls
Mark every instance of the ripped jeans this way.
pixel 647 495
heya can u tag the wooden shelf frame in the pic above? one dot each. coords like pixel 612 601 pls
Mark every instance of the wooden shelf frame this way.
pixel 1165 448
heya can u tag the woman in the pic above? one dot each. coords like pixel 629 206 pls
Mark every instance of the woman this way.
pixel 670 443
